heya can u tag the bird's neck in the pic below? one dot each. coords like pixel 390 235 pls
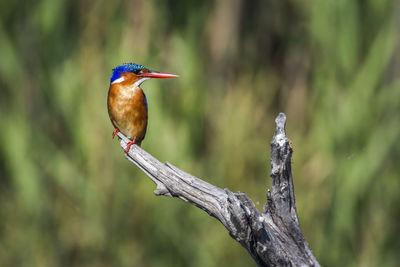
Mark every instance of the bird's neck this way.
pixel 125 91
pixel 127 86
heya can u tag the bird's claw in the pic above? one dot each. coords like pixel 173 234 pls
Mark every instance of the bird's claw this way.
pixel 114 133
pixel 129 144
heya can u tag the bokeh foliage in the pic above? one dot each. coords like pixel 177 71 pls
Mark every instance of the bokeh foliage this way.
pixel 69 198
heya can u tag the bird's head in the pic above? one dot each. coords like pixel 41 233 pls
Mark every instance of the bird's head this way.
pixel 131 73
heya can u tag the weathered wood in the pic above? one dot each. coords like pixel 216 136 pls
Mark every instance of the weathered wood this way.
pixel 273 237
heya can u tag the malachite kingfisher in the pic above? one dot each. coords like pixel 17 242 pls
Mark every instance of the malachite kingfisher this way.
pixel 127 103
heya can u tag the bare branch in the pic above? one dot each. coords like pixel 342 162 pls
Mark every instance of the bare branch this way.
pixel 273 238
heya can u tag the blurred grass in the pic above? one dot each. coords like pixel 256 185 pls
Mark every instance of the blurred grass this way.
pixel 69 198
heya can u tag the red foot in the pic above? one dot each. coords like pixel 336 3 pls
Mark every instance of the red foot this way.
pixel 130 143
pixel 115 132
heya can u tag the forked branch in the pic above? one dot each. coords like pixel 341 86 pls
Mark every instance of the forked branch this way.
pixel 273 237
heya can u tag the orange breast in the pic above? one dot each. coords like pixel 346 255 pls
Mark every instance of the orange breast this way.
pixel 127 109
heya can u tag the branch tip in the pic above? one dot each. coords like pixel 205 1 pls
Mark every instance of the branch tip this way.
pixel 280 122
pixel 161 190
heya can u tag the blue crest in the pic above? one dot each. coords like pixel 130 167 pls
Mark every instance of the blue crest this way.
pixel 127 67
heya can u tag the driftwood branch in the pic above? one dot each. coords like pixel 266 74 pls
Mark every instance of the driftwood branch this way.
pixel 273 237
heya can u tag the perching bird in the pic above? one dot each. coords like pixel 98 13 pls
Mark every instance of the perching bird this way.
pixel 127 104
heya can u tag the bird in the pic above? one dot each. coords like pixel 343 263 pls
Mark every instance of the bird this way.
pixel 127 103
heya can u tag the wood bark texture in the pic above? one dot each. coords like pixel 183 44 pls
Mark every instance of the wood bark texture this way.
pixel 273 237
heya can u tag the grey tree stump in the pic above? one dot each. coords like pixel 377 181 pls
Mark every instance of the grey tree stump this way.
pixel 273 237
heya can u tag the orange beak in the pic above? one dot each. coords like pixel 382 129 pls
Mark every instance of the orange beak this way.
pixel 156 74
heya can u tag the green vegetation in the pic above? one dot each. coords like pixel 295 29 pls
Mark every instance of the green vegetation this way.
pixel 69 198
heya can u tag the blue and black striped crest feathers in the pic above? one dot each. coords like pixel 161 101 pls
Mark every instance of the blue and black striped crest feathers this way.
pixel 127 67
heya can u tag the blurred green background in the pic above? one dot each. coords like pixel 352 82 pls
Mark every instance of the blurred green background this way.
pixel 69 198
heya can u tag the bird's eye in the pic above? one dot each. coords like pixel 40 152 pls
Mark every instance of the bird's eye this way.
pixel 137 72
